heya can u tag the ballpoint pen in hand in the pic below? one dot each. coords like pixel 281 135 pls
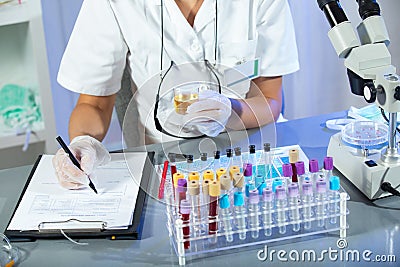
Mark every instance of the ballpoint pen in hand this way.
pixel 74 160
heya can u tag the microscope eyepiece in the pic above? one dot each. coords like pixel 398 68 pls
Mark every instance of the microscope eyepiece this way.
pixel 368 8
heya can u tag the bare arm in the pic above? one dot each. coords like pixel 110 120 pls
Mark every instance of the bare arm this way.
pixel 262 105
pixel 91 116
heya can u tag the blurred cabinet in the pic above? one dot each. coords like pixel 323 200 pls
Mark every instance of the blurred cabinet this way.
pixel 23 61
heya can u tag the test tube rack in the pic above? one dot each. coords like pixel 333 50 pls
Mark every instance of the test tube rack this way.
pixel 201 242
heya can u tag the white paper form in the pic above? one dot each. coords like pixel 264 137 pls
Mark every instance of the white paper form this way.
pixel 46 201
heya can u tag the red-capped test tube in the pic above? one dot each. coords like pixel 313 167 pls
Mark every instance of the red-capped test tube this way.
pixel 185 212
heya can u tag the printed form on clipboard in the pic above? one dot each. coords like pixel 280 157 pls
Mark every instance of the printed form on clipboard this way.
pixel 45 204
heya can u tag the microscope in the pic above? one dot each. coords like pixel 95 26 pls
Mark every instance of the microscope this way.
pixel 374 171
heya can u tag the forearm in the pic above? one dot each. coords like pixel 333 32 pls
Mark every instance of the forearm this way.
pixel 91 116
pixel 262 105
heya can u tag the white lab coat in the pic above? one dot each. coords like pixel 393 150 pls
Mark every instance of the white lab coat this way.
pixel 109 34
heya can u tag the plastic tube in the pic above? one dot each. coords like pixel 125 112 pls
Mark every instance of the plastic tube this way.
pixel 189 163
pixel 240 214
pixel 185 212
pixel 225 212
pixel 237 158
pixel 194 193
pixel 280 197
pixel 293 158
pixel 181 191
pixel 328 167
pixel 226 184
pixel 203 162
pixel 238 182
pixel 314 169
pixel 307 191
pixel 301 174
pixel 287 170
pixel 217 163
pixel 267 206
pixel 334 196
pixel 293 191
pixel 267 160
pixel 215 191
pixel 321 201
pixel 254 213
pixel 229 157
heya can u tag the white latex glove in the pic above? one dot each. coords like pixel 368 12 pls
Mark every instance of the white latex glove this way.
pixel 210 113
pixel 89 152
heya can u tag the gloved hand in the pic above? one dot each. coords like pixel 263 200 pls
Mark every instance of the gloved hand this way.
pixel 89 152
pixel 210 113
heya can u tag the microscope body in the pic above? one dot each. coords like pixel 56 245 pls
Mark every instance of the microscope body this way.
pixel 371 75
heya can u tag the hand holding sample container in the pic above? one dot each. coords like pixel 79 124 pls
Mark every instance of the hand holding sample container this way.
pixel 184 96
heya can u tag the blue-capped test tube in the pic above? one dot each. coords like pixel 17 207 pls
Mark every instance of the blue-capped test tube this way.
pixel 321 201
pixel 328 167
pixel 334 196
pixel 225 213
pixel 307 199
pixel 237 158
pixel 293 192
pixel 254 211
pixel 280 198
pixel 240 214
pixel 267 210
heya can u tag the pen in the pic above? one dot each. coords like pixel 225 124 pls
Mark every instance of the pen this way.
pixel 162 182
pixel 73 159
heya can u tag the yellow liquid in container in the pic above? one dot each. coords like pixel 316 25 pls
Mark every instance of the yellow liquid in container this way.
pixel 183 101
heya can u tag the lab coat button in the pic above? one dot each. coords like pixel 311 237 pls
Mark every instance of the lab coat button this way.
pixel 195 47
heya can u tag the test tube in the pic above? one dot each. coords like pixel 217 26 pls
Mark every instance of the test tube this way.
pixel 287 170
pixel 194 193
pixel 307 199
pixel 177 176
pixel 233 169
pixel 229 157
pixel 293 191
pixel 254 213
pixel 193 176
pixel 240 214
pixel 217 156
pixel 334 195
pixel 248 173
pixel 208 175
pixel 321 201
pixel 280 194
pixel 185 212
pixel 301 174
pixel 225 212
pixel 238 181
pixel 172 165
pixel 203 161
pixel 220 172
pixel 226 184
pixel 293 158
pixel 252 155
pixel 314 169
pixel 206 197
pixel 237 158
pixel 267 160
pixel 267 206
pixel 215 191
pixel 181 190
pixel 189 163
pixel 328 167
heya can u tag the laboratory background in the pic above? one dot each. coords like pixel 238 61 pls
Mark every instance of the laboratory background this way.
pixel 320 86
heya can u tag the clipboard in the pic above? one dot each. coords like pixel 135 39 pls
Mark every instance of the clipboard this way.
pixel 87 229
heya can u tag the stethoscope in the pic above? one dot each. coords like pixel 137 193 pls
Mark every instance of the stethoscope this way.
pixel 209 65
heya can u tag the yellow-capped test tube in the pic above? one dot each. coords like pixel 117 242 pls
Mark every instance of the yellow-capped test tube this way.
pixel 220 172
pixel 194 176
pixel 232 170
pixel 176 177
pixel 208 175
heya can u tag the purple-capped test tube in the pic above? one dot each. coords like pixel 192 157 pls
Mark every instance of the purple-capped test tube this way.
pixel 320 188
pixel 307 199
pixel 254 212
pixel 267 206
pixel 301 172
pixel 328 167
pixel 314 170
pixel 294 212
pixel 180 192
pixel 280 198
pixel 287 170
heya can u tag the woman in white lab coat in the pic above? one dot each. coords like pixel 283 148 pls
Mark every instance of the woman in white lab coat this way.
pixel 146 33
